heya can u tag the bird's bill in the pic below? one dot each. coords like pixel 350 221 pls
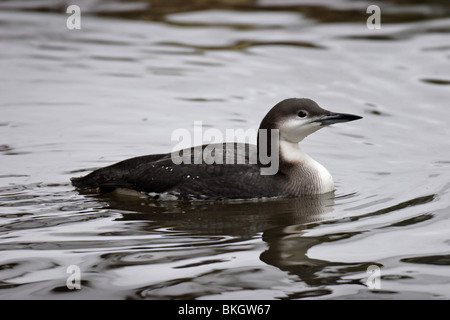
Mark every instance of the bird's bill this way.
pixel 337 118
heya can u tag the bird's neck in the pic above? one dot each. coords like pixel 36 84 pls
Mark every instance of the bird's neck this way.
pixel 291 152
pixel 299 161
pixel 270 145
pixel 291 158
pixel 296 164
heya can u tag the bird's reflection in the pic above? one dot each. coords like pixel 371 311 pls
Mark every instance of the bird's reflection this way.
pixel 282 223
pixel 243 219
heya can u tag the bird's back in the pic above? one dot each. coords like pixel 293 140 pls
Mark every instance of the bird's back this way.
pixel 216 171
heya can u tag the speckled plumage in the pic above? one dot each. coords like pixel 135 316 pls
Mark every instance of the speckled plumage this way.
pixel 158 174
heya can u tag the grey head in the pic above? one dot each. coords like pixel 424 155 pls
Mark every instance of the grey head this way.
pixel 296 118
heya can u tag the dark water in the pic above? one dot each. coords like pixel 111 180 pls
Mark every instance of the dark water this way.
pixel 75 100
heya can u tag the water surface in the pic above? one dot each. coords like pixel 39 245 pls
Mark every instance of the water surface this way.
pixel 75 100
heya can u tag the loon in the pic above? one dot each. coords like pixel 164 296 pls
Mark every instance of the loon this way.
pixel 296 174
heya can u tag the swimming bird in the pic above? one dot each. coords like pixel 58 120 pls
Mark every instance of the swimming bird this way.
pixel 280 168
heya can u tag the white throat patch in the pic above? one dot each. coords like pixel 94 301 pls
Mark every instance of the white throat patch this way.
pixel 291 152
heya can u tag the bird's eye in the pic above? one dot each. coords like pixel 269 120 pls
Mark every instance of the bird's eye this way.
pixel 302 114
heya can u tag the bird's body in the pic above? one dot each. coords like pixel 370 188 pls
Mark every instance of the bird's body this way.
pixel 297 174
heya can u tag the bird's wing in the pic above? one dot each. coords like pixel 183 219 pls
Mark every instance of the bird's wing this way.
pixel 164 172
